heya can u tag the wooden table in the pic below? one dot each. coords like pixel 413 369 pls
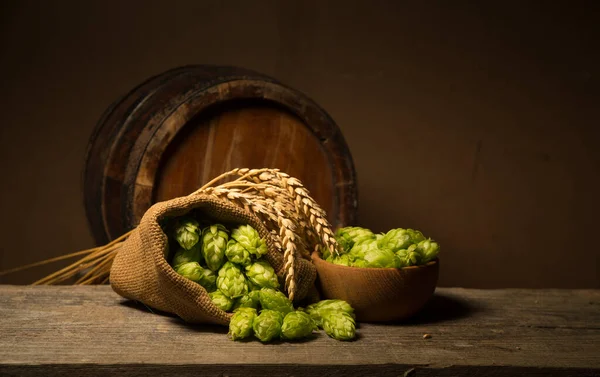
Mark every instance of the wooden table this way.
pixel 91 331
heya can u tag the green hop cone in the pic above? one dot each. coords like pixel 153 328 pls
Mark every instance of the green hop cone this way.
pixel 195 272
pixel 395 240
pixel 240 325
pixel 379 258
pixel 221 301
pixel 359 250
pixel 326 253
pixel 252 286
pixel 250 240
pixel 297 325
pixel 275 300
pixel 331 304
pixel 359 263
pixel 231 281
pixel 267 325
pixel 185 256
pixel 246 309
pixel 261 273
pixel 408 257
pixel 214 244
pixel 348 236
pixel 190 270
pixel 187 232
pixel 316 310
pixel 415 236
pixel 237 254
pixel 208 280
pixel 368 254
pixel 345 241
pixel 428 250
pixel 250 300
pixel 339 325
pixel 342 260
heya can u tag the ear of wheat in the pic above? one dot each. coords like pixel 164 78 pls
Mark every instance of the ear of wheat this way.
pixel 297 224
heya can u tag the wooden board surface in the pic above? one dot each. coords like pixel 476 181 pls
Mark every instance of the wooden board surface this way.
pixel 93 331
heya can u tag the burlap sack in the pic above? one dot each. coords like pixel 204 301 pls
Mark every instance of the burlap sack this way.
pixel 141 272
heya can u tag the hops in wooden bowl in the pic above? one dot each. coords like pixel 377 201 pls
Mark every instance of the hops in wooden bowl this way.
pixel 395 249
pixel 385 277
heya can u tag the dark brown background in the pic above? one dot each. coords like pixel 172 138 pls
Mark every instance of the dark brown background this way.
pixel 476 123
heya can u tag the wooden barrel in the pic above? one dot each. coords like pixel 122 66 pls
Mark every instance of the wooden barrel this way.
pixel 177 130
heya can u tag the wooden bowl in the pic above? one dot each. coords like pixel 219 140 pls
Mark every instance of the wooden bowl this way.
pixel 378 294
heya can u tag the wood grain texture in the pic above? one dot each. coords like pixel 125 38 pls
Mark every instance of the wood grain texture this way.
pixel 252 135
pixel 92 331
pixel 176 131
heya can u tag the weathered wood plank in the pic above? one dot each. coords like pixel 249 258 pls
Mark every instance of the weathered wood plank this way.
pixel 56 330
pixel 288 370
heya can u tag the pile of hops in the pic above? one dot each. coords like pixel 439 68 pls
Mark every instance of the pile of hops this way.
pixel 397 248
pixel 228 263
pixel 278 319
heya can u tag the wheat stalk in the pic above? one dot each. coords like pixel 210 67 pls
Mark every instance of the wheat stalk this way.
pixel 270 212
pixel 296 222
pixel 305 205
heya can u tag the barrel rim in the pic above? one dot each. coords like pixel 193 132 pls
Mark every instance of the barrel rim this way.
pixel 98 153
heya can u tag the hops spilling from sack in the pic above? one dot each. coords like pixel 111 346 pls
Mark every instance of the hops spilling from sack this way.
pixel 228 263
pixel 397 248
pixel 271 316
